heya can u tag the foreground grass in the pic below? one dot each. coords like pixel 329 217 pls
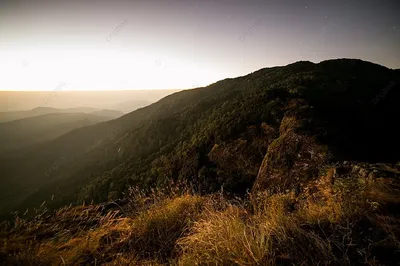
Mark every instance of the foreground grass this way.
pixel 331 223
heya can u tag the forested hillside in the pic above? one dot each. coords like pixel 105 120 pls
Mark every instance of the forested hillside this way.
pixel 287 165
pixel 218 136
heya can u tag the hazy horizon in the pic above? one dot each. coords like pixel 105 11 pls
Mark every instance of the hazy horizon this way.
pixel 188 132
pixel 124 100
pixel 81 45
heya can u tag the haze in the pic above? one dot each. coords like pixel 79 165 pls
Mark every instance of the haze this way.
pixel 124 101
pixel 137 45
pixel 199 132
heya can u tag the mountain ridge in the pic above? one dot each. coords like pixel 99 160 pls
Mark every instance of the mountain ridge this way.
pixel 176 134
pixel 37 111
pixel 287 165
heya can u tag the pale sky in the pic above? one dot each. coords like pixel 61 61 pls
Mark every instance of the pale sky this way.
pixel 177 44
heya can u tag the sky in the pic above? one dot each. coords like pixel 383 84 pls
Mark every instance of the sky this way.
pixel 179 44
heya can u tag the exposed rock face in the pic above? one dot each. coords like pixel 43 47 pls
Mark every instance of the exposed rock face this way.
pixel 298 162
pixel 292 159
pixel 296 156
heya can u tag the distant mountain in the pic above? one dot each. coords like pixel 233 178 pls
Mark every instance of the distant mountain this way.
pixel 25 132
pixel 108 113
pixel 274 129
pixel 10 116
pixel 121 100
pixel 130 106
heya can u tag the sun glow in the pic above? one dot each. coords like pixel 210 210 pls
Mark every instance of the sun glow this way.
pixel 108 69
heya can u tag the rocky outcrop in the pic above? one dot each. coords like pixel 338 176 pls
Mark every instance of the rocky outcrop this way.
pixel 292 159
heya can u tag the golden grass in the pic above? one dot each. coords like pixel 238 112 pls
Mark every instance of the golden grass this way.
pixel 328 224
pixel 155 231
pixel 225 238
pixel 267 237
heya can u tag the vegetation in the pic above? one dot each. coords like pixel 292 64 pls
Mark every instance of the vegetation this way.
pixel 333 102
pixel 328 224
pixel 287 165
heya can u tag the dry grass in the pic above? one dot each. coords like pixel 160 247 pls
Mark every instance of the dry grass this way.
pixel 148 237
pixel 225 238
pixel 335 221
pixel 155 231
pixel 269 236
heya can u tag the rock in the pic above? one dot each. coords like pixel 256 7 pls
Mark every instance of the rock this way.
pixel 288 161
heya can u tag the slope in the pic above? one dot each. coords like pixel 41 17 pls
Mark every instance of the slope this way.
pixel 220 135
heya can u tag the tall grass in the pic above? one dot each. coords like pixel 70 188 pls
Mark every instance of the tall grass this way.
pixel 332 223
pixel 269 236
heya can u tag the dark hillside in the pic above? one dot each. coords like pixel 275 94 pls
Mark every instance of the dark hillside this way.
pixel 310 149
pixel 219 135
